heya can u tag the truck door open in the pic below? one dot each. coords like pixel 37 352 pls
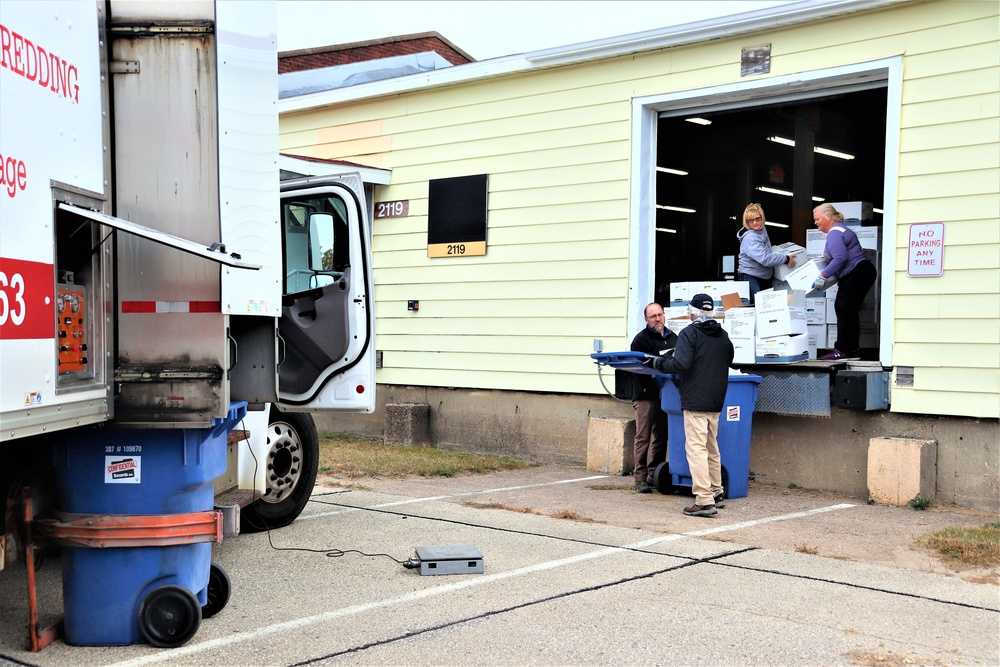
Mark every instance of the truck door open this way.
pixel 326 346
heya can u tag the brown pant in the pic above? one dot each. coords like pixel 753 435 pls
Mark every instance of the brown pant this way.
pixel 650 445
pixel 701 430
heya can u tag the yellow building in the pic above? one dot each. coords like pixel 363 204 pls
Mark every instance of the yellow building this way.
pixel 599 193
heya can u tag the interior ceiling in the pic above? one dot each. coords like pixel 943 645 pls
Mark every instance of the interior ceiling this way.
pixel 727 160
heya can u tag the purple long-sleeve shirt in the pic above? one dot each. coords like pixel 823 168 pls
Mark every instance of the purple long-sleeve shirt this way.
pixel 842 253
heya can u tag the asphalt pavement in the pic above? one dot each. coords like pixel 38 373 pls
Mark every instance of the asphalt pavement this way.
pixel 578 570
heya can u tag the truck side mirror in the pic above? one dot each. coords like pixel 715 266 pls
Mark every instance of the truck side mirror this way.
pixel 320 239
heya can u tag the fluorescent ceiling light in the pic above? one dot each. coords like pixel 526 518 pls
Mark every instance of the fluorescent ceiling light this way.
pixel 878 210
pixel 679 209
pixel 664 229
pixel 786 193
pixel 776 224
pixel 668 170
pixel 816 149
pixel 699 121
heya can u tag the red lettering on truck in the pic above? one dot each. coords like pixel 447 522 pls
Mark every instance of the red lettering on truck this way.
pixel 27 300
pixel 13 175
pixel 25 58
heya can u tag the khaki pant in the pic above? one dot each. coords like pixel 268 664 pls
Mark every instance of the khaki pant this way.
pixel 701 430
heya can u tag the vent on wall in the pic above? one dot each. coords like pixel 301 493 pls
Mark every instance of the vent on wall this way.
pixel 904 376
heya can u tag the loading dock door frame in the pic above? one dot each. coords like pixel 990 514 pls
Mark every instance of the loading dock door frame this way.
pixel 646 111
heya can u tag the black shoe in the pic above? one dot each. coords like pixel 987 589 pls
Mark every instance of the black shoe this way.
pixel 643 487
pixel 720 502
pixel 700 510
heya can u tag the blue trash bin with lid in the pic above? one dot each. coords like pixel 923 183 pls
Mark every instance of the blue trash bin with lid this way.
pixel 115 595
pixel 735 422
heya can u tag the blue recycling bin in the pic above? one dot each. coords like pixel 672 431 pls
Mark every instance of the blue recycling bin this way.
pixel 136 472
pixel 735 422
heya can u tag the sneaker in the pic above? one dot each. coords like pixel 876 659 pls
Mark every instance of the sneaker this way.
pixel 834 355
pixel 720 502
pixel 642 487
pixel 701 510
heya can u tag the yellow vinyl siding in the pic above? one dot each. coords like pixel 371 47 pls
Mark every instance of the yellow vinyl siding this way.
pixel 556 144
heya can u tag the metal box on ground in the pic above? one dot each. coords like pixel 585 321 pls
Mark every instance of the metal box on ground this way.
pixel 456 559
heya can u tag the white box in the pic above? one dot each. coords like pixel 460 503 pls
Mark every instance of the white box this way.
pixel 870 238
pixel 677 325
pixel 676 312
pixel 815 242
pixel 802 277
pixel 680 293
pixel 818 334
pixel 815 311
pixel 831 311
pixel 740 323
pixel 782 349
pixel 780 313
pixel 788 249
pixel 831 336
pixel 854 210
pixel 812 339
pixel 744 350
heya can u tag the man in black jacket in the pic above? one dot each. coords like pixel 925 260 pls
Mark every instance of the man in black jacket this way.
pixel 702 356
pixel 650 444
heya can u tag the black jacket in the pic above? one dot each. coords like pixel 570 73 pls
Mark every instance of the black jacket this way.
pixel 702 356
pixel 644 387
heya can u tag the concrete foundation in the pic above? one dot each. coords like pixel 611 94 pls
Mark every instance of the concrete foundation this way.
pixel 901 469
pixel 610 445
pixel 829 454
pixel 407 424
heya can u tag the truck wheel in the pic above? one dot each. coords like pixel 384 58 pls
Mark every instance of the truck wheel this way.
pixel 169 616
pixel 219 588
pixel 291 462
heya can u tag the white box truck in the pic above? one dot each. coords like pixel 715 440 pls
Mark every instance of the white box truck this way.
pixel 154 271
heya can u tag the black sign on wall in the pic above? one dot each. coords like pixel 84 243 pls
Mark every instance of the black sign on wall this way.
pixel 456 216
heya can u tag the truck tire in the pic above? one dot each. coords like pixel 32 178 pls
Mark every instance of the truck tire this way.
pixel 291 463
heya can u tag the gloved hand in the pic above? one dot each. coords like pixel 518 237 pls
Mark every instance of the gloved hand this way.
pixel 819 284
pixel 649 362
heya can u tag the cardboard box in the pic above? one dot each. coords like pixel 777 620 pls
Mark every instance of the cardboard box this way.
pixel 678 324
pixel 817 334
pixel 744 350
pixel 796 251
pixel 831 312
pixel 782 349
pixel 815 310
pixel 740 324
pixel 780 313
pixel 681 293
pixel 831 336
pixel 870 238
pixel 812 339
pixel 854 210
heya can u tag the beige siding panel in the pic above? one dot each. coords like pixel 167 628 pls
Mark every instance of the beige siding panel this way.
pixel 445 271
pixel 503 380
pixel 981 231
pixel 951 110
pixel 978 50
pixel 947 86
pixel 970 133
pixel 957 257
pixel 936 185
pixel 529 305
pixel 958 159
pixel 510 332
pixel 932 305
pixel 541 345
pixel 948 209
pixel 928 353
pixel 949 332
pixel 980 282
pixel 959 404
pixel 540 234
pixel 511 288
pixel 987 380
pixel 513 254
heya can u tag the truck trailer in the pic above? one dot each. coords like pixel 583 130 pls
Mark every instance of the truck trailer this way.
pixel 165 300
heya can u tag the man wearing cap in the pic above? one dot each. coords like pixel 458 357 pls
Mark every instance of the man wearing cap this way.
pixel 650 444
pixel 702 356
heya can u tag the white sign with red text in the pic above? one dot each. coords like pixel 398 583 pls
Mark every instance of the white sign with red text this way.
pixel 926 250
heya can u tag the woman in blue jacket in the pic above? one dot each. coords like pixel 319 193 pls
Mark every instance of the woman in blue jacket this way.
pixel 757 261
pixel 846 262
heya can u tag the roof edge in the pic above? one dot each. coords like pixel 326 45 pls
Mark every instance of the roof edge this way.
pixel 679 35
pixel 375 42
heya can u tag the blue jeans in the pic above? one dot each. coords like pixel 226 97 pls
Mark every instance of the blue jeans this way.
pixel 756 284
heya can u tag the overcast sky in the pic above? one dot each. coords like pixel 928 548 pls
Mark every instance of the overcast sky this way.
pixel 489 29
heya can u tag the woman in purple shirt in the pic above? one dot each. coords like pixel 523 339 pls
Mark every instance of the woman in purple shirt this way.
pixel 846 261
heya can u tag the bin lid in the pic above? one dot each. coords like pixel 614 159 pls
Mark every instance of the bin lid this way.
pixel 661 378
pixel 624 361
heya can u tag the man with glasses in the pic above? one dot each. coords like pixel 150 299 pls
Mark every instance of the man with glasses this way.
pixel 650 444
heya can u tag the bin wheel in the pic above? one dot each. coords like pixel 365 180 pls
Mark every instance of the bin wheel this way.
pixel 219 588
pixel 662 479
pixel 169 616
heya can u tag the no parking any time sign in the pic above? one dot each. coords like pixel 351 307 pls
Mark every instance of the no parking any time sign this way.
pixel 926 250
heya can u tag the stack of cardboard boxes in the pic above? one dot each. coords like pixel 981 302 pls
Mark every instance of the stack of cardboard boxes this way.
pixel 791 321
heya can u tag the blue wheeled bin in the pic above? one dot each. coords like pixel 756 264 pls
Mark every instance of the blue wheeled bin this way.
pixel 122 595
pixel 734 434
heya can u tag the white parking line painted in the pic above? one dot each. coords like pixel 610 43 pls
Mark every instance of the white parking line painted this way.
pixel 190 649
pixel 410 501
